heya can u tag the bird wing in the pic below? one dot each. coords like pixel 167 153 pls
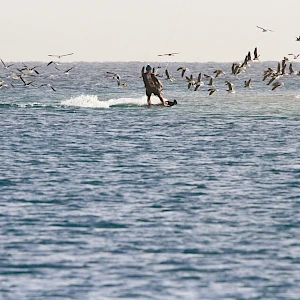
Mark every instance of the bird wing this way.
pixel 3 63
pixel 199 77
pixel 70 69
pixel 66 54
pixel 167 74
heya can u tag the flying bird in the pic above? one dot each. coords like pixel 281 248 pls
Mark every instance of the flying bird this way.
pixel 115 76
pixel 295 56
pixel 291 70
pixel 26 83
pixel 67 71
pixel 168 54
pixel 247 83
pixel 230 89
pixel 212 90
pixel 264 29
pixel 249 59
pixel 190 80
pixel 199 82
pixel 53 62
pixel 183 70
pixel 6 66
pixel 60 56
pixel 218 72
pixel 168 76
pixel 256 56
pixel 276 84
pixel 47 84
pixel 210 83
pixel 30 70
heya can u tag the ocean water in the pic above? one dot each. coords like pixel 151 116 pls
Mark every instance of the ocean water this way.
pixel 103 197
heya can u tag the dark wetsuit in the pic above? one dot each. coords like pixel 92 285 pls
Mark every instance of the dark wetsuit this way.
pixel 151 83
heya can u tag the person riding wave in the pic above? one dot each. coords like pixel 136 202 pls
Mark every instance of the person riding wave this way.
pixel 152 84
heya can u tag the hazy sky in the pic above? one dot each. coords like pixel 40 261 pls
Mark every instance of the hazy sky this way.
pixel 127 30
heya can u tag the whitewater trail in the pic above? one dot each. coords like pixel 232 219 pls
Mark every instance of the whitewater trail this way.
pixel 93 101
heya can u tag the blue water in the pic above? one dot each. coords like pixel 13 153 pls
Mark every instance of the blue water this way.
pixel 103 197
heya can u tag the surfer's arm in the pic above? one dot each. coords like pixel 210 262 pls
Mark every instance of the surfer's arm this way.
pixel 157 81
pixel 143 75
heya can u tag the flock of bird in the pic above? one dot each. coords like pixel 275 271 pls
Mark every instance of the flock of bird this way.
pixel 196 82
pixel 31 76
pixel 271 75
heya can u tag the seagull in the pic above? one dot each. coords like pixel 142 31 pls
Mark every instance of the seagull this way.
pixel 274 77
pixel 207 76
pixel 237 68
pixel 256 56
pixel 283 64
pixel 199 82
pixel 212 90
pixel 247 83
pixel 249 56
pixel 218 72
pixel 210 83
pixel 234 68
pixel 67 71
pixel 298 38
pixel 59 56
pixel 230 89
pixel 190 80
pixel 5 66
pixel 30 70
pixel 276 84
pixel 295 56
pixel 168 76
pixel 291 70
pixel 264 29
pixel 245 63
pixel 115 76
pixel 168 54
pixel 183 70
pixel 47 84
pixel 278 68
pixel 268 73
pixel 53 62
pixel 26 83
pixel 13 76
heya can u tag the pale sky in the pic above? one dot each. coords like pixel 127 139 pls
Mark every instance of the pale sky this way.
pixel 139 30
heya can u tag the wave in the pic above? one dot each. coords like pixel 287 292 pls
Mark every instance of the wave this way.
pixel 88 101
pixel 94 102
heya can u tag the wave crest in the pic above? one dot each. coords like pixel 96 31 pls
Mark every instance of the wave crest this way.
pixel 95 102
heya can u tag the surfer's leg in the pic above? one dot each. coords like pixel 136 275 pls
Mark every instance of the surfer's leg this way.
pixel 162 99
pixel 148 93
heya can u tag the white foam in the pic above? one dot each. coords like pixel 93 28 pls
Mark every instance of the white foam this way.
pixel 94 101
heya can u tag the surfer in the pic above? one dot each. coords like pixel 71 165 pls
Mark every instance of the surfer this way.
pixel 152 85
